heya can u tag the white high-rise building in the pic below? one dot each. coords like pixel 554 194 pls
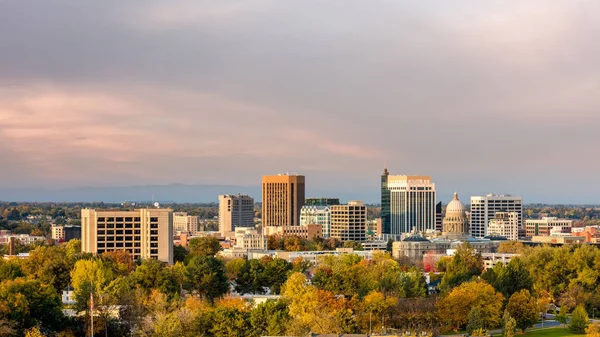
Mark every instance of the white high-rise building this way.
pixel 484 209
pixel 316 215
pixel 235 210
pixel 411 204
pixel 505 224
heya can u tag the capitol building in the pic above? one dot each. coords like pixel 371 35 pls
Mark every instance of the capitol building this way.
pixel 455 232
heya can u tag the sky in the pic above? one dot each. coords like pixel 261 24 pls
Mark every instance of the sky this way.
pixel 483 96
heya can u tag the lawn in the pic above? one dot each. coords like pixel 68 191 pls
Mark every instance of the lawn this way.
pixel 553 332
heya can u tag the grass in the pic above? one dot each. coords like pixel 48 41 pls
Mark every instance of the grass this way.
pixel 550 332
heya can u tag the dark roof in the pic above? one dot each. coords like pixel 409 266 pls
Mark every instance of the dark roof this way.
pixel 496 238
pixel 415 238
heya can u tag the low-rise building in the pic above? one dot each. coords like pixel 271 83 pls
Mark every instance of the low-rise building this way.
pixel 543 226
pixel 491 259
pixel 310 231
pixel 558 239
pixel 25 239
pixel 249 239
pixel 182 222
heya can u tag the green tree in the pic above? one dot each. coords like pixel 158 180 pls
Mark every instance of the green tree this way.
pixel 523 308
pixel 250 279
pixel 514 278
pixel 204 246
pixel 475 321
pixel 233 267
pixel 561 317
pixel 206 275
pixel 579 320
pixel 465 264
pixel 270 318
pixel 179 253
pixel 276 273
pixel 509 325
pixel 153 274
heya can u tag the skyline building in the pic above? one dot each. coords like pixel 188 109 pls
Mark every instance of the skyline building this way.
pixel 408 203
pixel 145 233
pixel 349 222
pixel 182 222
pixel 456 220
pixel 317 215
pixel 235 210
pixel 504 224
pixel 484 208
pixel 546 225
pixel 282 200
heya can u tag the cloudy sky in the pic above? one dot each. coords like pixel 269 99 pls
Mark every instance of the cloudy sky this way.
pixel 484 96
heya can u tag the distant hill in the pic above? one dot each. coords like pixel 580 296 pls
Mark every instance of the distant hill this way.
pixel 178 193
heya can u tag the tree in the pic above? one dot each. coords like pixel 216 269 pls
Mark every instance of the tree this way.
pixel 561 317
pixel 233 267
pixel 465 264
pixel 579 320
pixel 29 302
pixel 207 276
pixel 270 318
pixel 475 321
pixel 90 276
pixel 204 246
pixel 509 325
pixel 179 253
pixel 455 307
pixel 523 308
pixel 353 244
pixel 250 278
pixel 514 278
pixel 153 274
pixel 593 330
pixel 33 332
pixel 276 273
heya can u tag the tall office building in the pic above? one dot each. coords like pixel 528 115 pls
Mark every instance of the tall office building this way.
pixel 235 210
pixel 484 208
pixel 282 199
pixel 438 217
pixel 407 204
pixel 385 204
pixel 349 222
pixel 182 222
pixel 144 233
pixel 316 215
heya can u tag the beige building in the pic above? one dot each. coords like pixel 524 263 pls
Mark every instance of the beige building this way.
pixel 235 210
pixel 249 239
pixel 282 200
pixel 182 222
pixel 492 259
pixel 307 232
pixel 505 224
pixel 144 233
pixel 456 221
pixel 545 225
pixel 349 222
pixel 58 232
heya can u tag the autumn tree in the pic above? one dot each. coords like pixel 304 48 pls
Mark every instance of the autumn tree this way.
pixel 593 330
pixel 523 308
pixel 509 325
pixel 455 307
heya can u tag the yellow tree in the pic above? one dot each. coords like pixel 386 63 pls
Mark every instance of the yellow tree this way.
pixel 593 330
pixel 455 307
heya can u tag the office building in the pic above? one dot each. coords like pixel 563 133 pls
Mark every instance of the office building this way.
pixel 249 239
pixel 545 225
pixel 505 224
pixel 282 200
pixel 58 233
pixel 349 222
pixel 235 210
pixel 484 209
pixel 144 233
pixel 321 201
pixel 317 215
pixel 182 222
pixel 407 204
pixel 438 217
pixel 310 231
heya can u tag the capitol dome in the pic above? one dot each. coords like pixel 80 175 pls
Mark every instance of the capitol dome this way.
pixel 456 221
pixel 455 206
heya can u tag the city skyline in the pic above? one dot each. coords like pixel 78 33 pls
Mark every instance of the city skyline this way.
pixel 494 97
